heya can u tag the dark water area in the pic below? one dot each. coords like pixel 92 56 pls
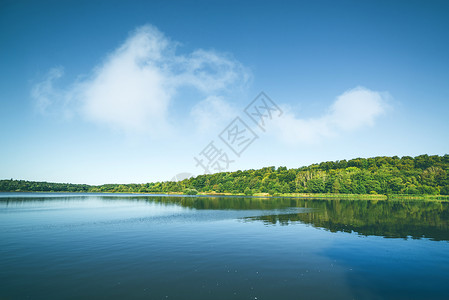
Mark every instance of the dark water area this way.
pixel 90 246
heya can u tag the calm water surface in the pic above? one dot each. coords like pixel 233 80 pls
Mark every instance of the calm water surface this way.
pixel 81 246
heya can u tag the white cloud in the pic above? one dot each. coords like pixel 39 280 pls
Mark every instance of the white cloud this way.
pixel 209 71
pixel 134 86
pixel 211 113
pixel 44 92
pixel 354 109
pixel 357 108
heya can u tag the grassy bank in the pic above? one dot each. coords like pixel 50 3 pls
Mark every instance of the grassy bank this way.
pixel 337 196
pixel 286 195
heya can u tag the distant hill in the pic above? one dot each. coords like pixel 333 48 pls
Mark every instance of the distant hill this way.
pixel 423 174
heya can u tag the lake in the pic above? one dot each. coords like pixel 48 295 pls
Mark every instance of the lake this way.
pixel 116 246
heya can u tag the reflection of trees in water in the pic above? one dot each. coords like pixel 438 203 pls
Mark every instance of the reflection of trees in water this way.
pixel 231 203
pixel 391 219
pixel 228 202
pixel 396 219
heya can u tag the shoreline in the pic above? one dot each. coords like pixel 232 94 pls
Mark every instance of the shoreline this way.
pixel 327 196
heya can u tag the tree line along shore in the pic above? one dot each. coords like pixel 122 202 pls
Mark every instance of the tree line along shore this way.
pixel 372 177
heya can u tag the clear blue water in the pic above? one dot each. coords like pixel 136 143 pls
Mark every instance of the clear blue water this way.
pixel 87 246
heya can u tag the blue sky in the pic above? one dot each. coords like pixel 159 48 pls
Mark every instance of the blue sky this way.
pixel 131 91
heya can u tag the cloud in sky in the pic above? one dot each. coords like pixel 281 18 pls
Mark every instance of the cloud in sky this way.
pixel 211 114
pixel 44 92
pixel 134 86
pixel 352 110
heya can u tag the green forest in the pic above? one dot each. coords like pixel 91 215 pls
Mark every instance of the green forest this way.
pixel 421 175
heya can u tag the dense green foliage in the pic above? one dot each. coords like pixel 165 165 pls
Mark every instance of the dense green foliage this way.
pixel 190 192
pixel 34 186
pixel 379 175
